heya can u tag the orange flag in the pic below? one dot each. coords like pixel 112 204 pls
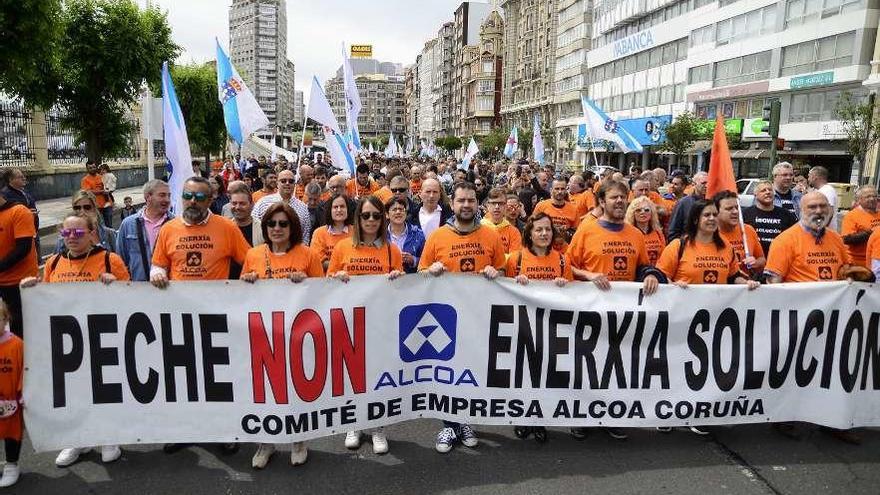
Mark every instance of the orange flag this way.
pixel 720 167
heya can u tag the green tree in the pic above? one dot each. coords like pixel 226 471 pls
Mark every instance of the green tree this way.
pixel 492 144
pixel 28 39
pixel 196 87
pixel 525 140
pixel 106 50
pixel 861 129
pixel 680 134
pixel 451 143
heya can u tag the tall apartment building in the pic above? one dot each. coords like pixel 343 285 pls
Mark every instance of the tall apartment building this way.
pixel 442 83
pixel 529 61
pixel 651 61
pixel 382 98
pixel 481 71
pixel 468 18
pixel 299 108
pixel 411 99
pixel 258 49
pixel 574 21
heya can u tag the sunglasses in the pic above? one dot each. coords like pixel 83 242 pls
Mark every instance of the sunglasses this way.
pixel 399 190
pixel 72 233
pixel 286 181
pixel 643 210
pixel 83 208
pixel 189 196
pixel 277 223
pixel 375 215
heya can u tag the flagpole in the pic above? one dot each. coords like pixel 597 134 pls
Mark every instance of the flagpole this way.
pixel 302 141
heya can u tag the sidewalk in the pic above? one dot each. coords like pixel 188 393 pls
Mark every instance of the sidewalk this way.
pixel 53 211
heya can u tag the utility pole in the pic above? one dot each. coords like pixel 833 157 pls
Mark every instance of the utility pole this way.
pixel 770 117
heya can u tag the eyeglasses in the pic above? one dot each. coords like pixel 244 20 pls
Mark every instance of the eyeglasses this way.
pixel 83 207
pixel 643 210
pixel 189 196
pixel 277 223
pixel 397 210
pixel 286 181
pixel 399 190
pixel 72 233
pixel 375 215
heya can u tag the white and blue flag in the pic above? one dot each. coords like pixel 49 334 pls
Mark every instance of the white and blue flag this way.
pixel 241 111
pixel 352 101
pixel 469 155
pixel 512 145
pixel 177 152
pixel 538 141
pixel 602 127
pixel 319 110
pixel 391 149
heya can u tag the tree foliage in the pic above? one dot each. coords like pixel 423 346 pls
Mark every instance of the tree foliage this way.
pixel 29 33
pixel 862 131
pixel 492 144
pixel 196 87
pixel 448 143
pixel 680 134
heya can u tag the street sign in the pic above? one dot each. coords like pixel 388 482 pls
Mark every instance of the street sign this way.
pixel 361 51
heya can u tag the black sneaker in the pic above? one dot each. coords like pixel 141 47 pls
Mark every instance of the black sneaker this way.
pixel 170 448
pixel 578 433
pixel 229 448
pixel 540 434
pixel 616 433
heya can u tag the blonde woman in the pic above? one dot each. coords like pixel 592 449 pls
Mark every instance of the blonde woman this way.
pixel 642 214
pixel 84 204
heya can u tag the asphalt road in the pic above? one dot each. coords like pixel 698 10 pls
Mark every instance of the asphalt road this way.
pixel 748 459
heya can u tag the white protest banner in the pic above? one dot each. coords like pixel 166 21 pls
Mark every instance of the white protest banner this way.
pixel 280 362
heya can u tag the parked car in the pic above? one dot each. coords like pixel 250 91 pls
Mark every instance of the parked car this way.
pixel 746 190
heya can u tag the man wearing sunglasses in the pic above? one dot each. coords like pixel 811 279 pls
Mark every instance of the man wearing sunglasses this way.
pixel 18 258
pixel 286 186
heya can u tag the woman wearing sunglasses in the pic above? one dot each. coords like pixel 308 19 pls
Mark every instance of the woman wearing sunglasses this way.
pixel 338 220
pixel 84 204
pixel 82 260
pixel 282 256
pixel 367 253
pixel 642 214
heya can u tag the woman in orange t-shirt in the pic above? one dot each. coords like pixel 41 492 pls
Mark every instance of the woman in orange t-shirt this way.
pixel 338 217
pixel 642 214
pixel 82 261
pixel 11 419
pixel 282 256
pixel 368 252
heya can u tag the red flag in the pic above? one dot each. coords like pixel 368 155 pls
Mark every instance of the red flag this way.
pixel 720 167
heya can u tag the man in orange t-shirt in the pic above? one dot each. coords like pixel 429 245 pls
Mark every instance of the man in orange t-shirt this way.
pixel 18 257
pixel 496 202
pixel 859 223
pixel 462 246
pixel 361 184
pixel 731 230
pixel 564 213
pixel 198 245
pixel 93 183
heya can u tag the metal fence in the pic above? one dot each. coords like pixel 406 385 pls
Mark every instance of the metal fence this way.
pixel 16 135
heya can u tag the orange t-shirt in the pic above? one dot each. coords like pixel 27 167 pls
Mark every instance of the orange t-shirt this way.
pixel 415 187
pixel 326 195
pixel 259 195
pixel 618 255
pixel 700 263
pixel 356 190
pixel 17 222
pixel 384 194
pixel 95 184
pixel 266 264
pixel 734 239
pixel 584 202
pixel 323 241
pixel 463 253
pixel 872 249
pixel 511 239
pixel 11 374
pixel 364 260
pixel 795 256
pixel 564 218
pixel 858 220
pixel 199 252
pixel 549 267
pixel 655 241
pixel 86 268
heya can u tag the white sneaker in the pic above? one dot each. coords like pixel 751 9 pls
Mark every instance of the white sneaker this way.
pixel 110 453
pixel 10 475
pixel 299 453
pixel 380 443
pixel 262 455
pixel 353 439
pixel 68 456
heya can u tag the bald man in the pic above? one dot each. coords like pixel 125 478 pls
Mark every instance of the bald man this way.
pixel 432 213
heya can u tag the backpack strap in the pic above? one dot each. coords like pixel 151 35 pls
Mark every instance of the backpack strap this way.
pixel 142 245
pixel 107 261
pixel 55 261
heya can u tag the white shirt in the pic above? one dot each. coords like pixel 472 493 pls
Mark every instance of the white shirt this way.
pixel 831 193
pixel 429 221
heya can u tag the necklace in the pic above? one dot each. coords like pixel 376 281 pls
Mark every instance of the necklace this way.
pixel 83 266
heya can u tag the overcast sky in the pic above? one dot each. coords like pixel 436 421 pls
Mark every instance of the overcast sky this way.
pixel 397 29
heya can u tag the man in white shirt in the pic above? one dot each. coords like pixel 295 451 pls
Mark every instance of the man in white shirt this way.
pixel 818 180
pixel 431 215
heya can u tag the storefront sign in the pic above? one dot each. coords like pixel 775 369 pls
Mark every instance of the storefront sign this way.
pixel 361 51
pixel 648 131
pixel 730 91
pixel 634 43
pixel 752 129
pixel 731 126
pixel 812 80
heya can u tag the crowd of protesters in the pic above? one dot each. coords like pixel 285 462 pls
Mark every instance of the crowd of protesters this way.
pixel 274 220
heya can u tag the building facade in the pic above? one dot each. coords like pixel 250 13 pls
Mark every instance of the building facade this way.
pixel 382 100
pixel 411 99
pixel 481 74
pixel 442 83
pixel 468 18
pixel 258 49
pixel 574 22
pixel 427 95
pixel 299 108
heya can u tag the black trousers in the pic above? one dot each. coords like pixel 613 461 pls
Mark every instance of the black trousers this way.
pixel 13 450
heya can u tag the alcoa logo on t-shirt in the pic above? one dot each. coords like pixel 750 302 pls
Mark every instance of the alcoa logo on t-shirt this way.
pixel 427 331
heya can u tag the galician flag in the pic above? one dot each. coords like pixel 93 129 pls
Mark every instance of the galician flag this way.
pixel 537 141
pixel 177 153
pixel 241 112
pixel 512 145
pixel 319 110
pixel 601 126
pixel 469 155
pixel 352 101
pixel 371 148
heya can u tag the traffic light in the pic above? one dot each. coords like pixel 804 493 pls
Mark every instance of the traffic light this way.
pixel 771 118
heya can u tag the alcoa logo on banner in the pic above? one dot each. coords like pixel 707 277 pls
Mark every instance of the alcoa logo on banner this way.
pixel 427 331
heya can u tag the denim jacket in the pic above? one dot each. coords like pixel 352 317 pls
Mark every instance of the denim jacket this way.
pixel 128 245
pixel 413 243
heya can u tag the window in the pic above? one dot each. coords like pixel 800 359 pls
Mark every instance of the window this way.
pixel 822 54
pixel 486 86
pixel 629 65
pixel 748 25
pixel 653 96
pixel 813 107
pixel 639 99
pixel 485 103
pixel 627 101
pixel 681 49
pixel 701 73
pixel 656 56
pixel 679 93
pixel 642 60
pixel 488 66
pixel 753 67
pixel 803 11
pixel 668 53
pixel 667 94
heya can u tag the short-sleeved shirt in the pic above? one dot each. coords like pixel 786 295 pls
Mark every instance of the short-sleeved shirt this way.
pixel 87 267
pixel 384 194
pixel 511 239
pixel 199 252
pixel 462 252
pixel 11 378
pixel 17 222
pixel 323 240
pixel 859 220
pixel 564 218
pixel 768 224
pixel 872 249
pixel 655 241
pixel 700 263
pixel 797 256
pixel 364 259
pixel 584 201
pixel 547 267
pixel 616 250
pixel 95 185
pixel 356 190
pixel 734 239
pixel 266 264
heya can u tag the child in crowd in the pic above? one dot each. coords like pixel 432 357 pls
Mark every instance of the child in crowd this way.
pixel 128 209
pixel 11 422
